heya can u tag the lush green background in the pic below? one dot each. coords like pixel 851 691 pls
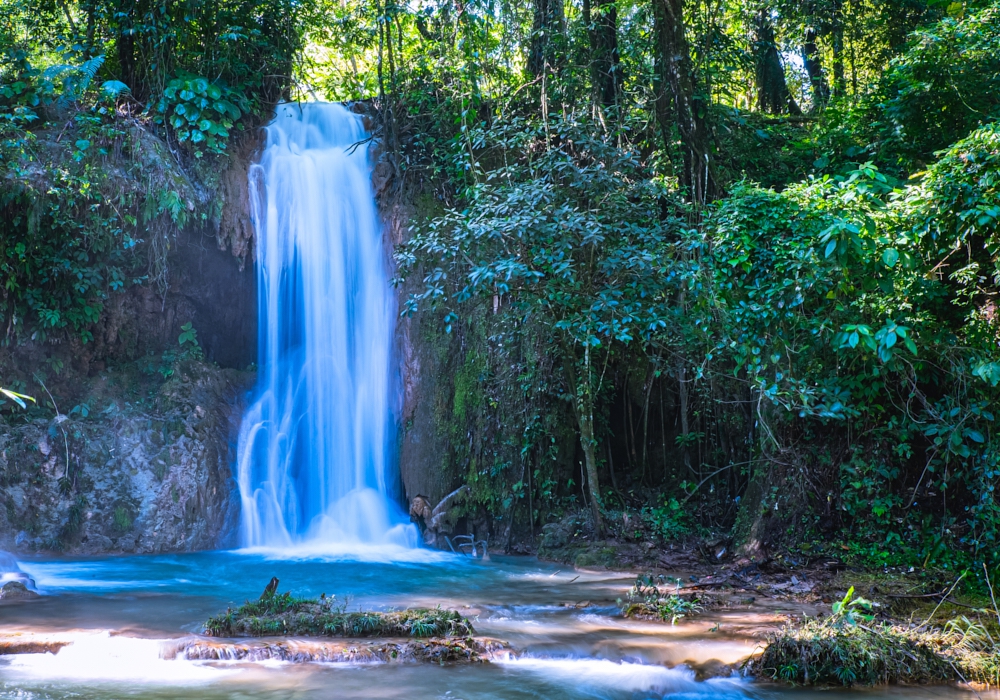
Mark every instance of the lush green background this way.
pixel 707 268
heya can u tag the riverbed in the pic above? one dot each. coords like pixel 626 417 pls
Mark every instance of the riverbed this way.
pixel 122 615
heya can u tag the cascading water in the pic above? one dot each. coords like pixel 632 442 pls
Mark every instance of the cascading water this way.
pixel 315 465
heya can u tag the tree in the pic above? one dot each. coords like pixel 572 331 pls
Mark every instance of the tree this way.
pixel 773 96
pixel 814 69
pixel 570 245
pixel 690 110
pixel 605 62
pixel 547 30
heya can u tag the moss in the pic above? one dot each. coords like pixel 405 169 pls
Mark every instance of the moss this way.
pixel 597 557
pixel 122 520
pixel 281 614
pixel 467 389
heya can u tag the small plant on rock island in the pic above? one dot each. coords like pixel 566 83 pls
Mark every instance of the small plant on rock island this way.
pixel 851 611
pixel 646 600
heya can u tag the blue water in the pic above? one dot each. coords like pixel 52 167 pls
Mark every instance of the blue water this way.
pixel 316 449
pixel 120 611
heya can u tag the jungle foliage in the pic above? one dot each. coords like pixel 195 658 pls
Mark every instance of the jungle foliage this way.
pixel 736 257
pixel 106 109
pixel 719 268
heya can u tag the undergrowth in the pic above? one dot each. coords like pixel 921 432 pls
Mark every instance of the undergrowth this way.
pixel 849 649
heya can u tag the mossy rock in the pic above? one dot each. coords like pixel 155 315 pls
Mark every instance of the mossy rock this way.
pixel 283 615
pixel 438 650
pixel 597 557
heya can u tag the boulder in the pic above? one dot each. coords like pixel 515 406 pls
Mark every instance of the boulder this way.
pixel 15 590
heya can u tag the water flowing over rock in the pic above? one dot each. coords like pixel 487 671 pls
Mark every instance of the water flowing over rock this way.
pixel 467 649
pixel 316 462
pixel 14 583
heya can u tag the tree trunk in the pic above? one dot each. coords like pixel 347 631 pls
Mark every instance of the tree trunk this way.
pixel 685 412
pixel 814 68
pixel 662 102
pixel 839 80
pixel 690 109
pixel 547 27
pixel 583 409
pixel 605 61
pixel 585 417
pixel 773 96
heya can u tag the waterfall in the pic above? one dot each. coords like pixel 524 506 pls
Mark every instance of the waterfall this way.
pixel 315 448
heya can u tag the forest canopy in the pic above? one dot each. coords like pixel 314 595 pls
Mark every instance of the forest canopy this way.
pixel 729 264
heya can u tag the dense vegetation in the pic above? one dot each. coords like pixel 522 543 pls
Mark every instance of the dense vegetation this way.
pixel 90 198
pixel 716 266
pixel 727 264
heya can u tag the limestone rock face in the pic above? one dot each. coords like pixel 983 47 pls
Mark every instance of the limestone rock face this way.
pixel 136 457
pixel 139 474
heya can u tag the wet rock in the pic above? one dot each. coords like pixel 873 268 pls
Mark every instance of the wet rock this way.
pixel 21 585
pixel 562 533
pixel 16 590
pixel 145 477
pixel 713 668
pixel 30 645
pixel 98 543
pixel 439 521
pixel 434 650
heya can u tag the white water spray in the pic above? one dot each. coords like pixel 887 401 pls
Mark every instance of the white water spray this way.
pixel 315 467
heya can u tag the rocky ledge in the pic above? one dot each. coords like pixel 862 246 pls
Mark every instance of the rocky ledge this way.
pixel 415 634
pixel 281 614
pixel 435 650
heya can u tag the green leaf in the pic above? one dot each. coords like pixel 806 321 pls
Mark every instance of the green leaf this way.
pixel 830 247
pixel 114 88
pixel 17 398
pixel 890 257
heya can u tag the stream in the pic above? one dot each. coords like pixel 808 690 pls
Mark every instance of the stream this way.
pixel 121 613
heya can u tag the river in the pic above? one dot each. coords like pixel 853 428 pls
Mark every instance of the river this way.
pixel 122 615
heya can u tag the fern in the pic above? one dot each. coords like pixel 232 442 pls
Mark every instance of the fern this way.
pixel 74 80
pixel 114 88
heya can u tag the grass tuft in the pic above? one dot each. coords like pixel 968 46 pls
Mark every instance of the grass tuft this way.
pixel 818 653
pixel 648 601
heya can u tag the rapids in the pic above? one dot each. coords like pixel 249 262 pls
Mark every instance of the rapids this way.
pixel 124 616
